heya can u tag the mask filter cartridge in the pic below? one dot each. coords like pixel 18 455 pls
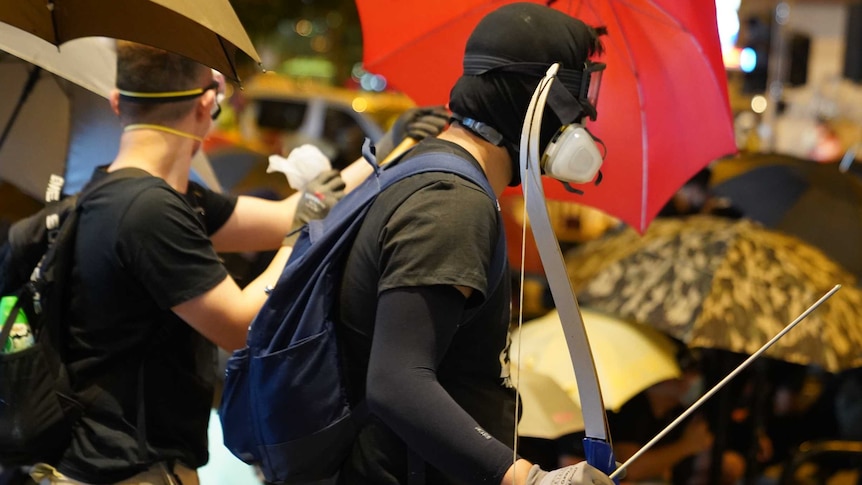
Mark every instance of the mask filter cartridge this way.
pixel 572 156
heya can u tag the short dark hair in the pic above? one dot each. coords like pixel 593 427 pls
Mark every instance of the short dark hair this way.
pixel 141 68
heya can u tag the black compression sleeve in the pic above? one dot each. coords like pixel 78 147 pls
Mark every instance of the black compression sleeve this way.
pixel 413 329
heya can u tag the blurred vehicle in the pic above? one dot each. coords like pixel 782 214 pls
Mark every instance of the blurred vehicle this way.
pixel 274 114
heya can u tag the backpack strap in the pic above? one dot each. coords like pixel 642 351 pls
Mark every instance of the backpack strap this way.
pixel 89 189
pixel 56 222
pixel 447 162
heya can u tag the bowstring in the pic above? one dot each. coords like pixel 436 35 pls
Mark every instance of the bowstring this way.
pixel 517 381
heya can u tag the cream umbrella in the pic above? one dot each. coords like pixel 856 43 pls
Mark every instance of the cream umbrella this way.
pixel 629 358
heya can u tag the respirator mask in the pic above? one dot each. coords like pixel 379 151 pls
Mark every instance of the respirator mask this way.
pixel 569 155
pixel 572 155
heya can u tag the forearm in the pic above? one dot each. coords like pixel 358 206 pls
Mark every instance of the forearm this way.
pixel 412 331
pixel 224 313
pixel 355 173
pixel 256 225
pixel 432 424
pixel 260 225
pixel 268 278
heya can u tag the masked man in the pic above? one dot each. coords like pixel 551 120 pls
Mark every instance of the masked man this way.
pixel 424 329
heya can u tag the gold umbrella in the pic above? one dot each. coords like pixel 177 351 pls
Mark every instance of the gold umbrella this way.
pixel 725 284
pixel 629 358
pixel 207 31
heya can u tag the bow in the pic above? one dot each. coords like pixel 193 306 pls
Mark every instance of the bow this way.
pixel 597 443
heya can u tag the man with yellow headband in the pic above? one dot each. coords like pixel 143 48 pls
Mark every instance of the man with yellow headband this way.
pixel 150 294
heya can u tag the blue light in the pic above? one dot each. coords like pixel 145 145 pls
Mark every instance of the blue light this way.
pixel 747 59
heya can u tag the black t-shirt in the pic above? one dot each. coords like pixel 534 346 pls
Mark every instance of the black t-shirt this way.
pixel 443 234
pixel 141 249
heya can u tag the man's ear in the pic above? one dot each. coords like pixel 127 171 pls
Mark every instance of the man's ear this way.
pixel 114 99
pixel 206 104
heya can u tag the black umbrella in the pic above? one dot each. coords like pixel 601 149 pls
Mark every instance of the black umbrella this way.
pixel 812 201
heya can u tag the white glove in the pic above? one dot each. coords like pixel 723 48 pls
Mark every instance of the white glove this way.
pixel 302 165
pixel 579 474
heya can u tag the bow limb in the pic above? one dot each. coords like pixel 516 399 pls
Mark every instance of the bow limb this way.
pixel 597 443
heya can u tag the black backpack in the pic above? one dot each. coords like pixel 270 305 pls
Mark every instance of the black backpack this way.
pixel 37 405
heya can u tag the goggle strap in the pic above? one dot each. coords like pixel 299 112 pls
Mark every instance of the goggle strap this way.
pixel 575 80
pixel 564 104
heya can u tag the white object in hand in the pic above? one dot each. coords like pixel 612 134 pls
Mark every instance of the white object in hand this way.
pixel 302 164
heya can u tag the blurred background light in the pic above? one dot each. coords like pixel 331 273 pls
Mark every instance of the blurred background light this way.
pixel 758 104
pixel 747 59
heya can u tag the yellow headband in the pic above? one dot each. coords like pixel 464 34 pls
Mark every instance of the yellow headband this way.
pixel 169 96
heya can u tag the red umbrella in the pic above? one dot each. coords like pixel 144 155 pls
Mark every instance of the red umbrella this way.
pixel 663 111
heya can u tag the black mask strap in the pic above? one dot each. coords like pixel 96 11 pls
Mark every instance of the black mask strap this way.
pixel 482 130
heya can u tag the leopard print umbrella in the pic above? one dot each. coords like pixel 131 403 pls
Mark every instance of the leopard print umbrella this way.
pixel 724 284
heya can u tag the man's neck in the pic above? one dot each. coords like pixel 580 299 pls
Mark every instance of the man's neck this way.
pixel 493 159
pixel 162 155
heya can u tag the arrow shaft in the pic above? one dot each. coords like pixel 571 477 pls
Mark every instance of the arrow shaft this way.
pixel 724 381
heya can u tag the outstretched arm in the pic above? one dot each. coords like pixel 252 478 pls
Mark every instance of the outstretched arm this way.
pixel 259 224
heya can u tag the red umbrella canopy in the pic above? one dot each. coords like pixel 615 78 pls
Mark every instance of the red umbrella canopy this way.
pixel 663 108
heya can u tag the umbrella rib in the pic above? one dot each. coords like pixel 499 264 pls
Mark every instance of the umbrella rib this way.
pixel 221 43
pixel 32 79
pixel 645 139
pixel 642 113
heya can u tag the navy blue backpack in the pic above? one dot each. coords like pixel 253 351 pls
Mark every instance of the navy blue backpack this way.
pixel 284 406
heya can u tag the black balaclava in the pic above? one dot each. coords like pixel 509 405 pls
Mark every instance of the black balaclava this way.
pixel 507 54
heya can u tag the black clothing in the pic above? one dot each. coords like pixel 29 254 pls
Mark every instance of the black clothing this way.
pixel 500 99
pixel 635 423
pixel 396 288
pixel 141 249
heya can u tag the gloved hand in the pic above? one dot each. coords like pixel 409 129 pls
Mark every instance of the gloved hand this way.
pixel 417 123
pixel 318 197
pixel 579 474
